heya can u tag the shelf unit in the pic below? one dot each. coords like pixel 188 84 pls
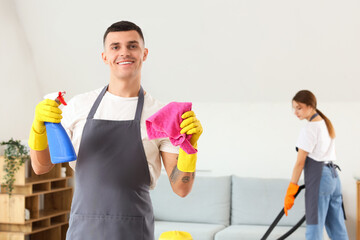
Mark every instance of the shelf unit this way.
pixel 358 209
pixel 47 197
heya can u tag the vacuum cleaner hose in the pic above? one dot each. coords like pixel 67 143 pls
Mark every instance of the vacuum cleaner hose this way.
pixel 279 216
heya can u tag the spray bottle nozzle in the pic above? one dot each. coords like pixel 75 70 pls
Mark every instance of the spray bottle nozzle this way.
pixel 61 97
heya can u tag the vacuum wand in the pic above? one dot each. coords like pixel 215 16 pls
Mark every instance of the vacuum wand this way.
pixel 279 216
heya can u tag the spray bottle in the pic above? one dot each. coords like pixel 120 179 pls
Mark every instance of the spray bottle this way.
pixel 60 146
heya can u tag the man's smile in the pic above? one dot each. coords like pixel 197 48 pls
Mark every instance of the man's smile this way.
pixel 125 62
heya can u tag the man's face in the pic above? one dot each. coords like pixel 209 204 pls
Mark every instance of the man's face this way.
pixel 124 52
pixel 301 110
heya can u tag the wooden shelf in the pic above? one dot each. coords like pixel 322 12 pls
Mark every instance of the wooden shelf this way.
pixel 46 228
pixel 358 210
pixel 31 192
pixel 33 180
pixel 45 214
pixel 49 191
pixel 47 197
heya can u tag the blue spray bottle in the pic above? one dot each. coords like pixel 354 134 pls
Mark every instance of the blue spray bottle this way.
pixel 60 146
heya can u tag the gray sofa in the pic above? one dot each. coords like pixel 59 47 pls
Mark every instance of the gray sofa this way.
pixel 226 208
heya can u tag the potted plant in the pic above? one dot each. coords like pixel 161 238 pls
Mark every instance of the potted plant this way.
pixel 15 155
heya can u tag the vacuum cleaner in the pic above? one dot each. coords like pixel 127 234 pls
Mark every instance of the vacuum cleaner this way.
pixel 279 216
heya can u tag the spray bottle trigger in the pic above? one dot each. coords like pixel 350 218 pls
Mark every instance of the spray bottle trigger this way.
pixel 61 98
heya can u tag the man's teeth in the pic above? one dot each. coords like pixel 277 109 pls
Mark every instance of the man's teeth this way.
pixel 122 63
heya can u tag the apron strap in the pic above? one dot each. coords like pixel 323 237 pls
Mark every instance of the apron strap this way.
pixel 313 116
pixel 343 208
pixel 97 102
pixel 139 106
pixel 333 168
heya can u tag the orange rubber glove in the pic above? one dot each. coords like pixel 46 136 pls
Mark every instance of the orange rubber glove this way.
pixel 290 197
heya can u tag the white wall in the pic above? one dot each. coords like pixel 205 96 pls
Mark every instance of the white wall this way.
pixel 19 88
pixel 240 50
pixel 240 62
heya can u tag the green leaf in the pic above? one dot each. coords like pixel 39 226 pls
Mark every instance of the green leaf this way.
pixel 15 155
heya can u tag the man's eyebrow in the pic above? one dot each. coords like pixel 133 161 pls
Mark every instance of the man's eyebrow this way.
pixel 114 44
pixel 129 42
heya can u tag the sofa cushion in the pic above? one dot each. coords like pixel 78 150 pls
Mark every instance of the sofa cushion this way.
pixel 253 232
pixel 208 202
pixel 198 231
pixel 258 201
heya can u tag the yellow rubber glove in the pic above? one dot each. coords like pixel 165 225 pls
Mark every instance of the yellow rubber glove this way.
pixel 190 125
pixel 46 111
pixel 290 197
pixel 175 235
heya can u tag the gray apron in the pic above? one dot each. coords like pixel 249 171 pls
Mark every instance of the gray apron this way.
pixel 312 176
pixel 111 199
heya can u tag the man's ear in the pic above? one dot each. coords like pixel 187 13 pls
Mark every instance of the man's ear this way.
pixel 104 58
pixel 146 52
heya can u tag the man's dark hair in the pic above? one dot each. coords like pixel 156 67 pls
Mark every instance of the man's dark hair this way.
pixel 123 26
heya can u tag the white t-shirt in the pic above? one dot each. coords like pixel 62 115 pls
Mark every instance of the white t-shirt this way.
pixel 314 138
pixel 113 107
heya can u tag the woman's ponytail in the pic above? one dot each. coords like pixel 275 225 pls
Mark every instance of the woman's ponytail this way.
pixel 328 123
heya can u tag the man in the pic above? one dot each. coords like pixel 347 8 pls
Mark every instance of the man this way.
pixel 116 164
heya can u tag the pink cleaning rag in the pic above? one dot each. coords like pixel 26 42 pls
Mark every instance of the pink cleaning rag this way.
pixel 166 123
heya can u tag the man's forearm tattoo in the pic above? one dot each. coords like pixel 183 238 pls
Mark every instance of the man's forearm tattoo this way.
pixel 185 179
pixel 174 174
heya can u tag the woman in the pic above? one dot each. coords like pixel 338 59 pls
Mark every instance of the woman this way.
pixel 316 153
